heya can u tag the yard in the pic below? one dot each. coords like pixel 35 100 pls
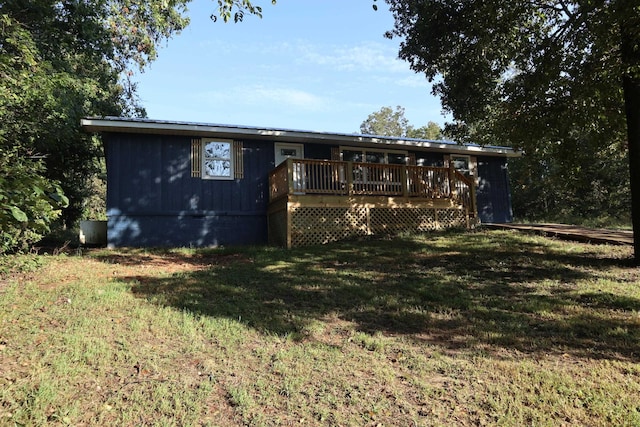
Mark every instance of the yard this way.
pixel 481 328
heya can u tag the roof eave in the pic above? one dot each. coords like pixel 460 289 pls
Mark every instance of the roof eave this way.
pixel 120 125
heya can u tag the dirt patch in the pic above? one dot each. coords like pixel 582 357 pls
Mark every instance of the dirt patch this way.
pixel 60 271
pixel 170 262
pixel 67 265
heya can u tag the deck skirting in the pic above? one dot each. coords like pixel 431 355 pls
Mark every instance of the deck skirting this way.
pixel 300 220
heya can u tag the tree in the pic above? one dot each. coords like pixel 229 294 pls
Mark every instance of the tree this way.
pixel 577 180
pixel 387 122
pixel 73 54
pixel 532 73
pixel 431 131
pixel 64 60
pixel 237 9
pixel 29 202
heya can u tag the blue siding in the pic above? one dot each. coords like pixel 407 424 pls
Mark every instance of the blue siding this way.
pixel 152 200
pixel 493 193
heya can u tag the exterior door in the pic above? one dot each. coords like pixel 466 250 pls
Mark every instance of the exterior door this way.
pixel 286 151
pixel 292 151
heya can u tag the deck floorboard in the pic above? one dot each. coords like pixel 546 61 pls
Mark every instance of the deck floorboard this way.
pixel 571 232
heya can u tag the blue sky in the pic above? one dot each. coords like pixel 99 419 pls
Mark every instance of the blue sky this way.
pixel 320 65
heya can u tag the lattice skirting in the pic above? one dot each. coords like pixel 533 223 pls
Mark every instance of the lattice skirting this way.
pixel 319 225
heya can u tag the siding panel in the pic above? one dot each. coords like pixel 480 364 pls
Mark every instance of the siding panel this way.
pixel 493 193
pixel 152 200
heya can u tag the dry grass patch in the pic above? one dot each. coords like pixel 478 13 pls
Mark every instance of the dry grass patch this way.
pixel 489 328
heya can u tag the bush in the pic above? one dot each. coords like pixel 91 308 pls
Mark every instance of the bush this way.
pixel 29 203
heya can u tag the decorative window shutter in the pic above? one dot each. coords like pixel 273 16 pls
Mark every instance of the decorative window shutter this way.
pixel 238 169
pixel 196 158
pixel 335 153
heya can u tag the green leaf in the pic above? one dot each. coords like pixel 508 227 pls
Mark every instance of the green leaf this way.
pixel 60 198
pixel 37 190
pixel 18 214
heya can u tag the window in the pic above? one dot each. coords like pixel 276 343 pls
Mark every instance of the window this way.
pixel 370 155
pixel 352 155
pixel 397 158
pixel 213 158
pixel 462 163
pixel 375 178
pixel 217 161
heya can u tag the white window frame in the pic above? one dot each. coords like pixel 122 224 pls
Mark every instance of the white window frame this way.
pixel 469 170
pixel 207 157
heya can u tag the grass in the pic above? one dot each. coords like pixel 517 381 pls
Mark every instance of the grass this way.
pixel 485 328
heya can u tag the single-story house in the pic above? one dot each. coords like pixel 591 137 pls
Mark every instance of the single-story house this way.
pixel 196 184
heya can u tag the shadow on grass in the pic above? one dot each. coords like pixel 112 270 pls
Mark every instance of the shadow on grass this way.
pixel 487 290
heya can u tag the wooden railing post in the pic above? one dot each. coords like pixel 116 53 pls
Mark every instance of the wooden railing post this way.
pixel 289 175
pixel 472 196
pixel 453 192
pixel 272 186
pixel 349 173
pixel 404 179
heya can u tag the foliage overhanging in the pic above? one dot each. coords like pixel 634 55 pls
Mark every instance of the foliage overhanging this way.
pixel 550 77
pixel 64 60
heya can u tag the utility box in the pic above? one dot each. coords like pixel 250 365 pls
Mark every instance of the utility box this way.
pixel 93 233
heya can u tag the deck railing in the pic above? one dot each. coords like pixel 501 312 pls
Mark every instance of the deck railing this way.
pixel 307 176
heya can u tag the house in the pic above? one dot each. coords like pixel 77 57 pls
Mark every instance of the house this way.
pixel 195 184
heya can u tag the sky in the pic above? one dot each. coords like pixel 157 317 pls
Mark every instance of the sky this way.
pixel 315 65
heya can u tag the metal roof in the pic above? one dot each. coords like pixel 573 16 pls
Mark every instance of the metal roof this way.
pixel 148 126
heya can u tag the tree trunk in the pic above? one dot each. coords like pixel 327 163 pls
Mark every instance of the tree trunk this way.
pixel 632 109
pixel 630 51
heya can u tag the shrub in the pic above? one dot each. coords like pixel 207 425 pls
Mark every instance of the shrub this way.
pixel 29 202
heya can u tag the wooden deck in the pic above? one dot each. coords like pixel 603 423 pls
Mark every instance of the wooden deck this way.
pixel 319 201
pixel 572 232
